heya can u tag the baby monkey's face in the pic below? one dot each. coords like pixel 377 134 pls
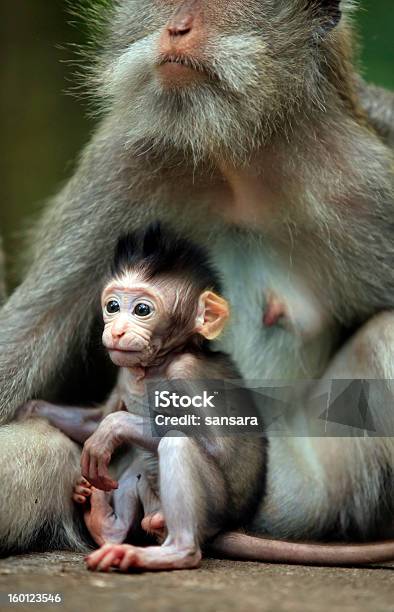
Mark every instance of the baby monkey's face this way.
pixel 143 319
pixel 137 317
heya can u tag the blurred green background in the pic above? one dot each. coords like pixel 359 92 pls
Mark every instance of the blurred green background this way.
pixel 43 128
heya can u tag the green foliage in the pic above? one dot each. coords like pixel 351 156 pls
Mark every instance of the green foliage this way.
pixel 376 21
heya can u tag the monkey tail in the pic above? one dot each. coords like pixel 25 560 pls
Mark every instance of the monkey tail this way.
pixel 236 545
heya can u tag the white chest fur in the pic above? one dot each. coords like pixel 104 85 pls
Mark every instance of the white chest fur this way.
pixel 250 272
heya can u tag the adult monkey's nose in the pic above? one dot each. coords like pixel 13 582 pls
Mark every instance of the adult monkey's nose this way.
pixel 182 21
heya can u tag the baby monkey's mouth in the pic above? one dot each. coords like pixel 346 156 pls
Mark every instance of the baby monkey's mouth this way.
pixel 123 358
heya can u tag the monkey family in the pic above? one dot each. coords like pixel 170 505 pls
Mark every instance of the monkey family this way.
pixel 247 130
pixel 160 308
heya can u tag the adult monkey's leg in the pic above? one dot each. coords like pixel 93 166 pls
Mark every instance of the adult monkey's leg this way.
pixel 348 491
pixel 349 487
pixel 362 472
pixel 39 468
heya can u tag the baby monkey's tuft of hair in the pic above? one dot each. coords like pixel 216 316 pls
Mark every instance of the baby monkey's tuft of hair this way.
pixel 158 251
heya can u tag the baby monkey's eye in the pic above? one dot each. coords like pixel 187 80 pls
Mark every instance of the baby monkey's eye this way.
pixel 142 310
pixel 113 306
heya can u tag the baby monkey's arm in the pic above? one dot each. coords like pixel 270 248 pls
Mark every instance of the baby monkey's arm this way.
pixel 114 431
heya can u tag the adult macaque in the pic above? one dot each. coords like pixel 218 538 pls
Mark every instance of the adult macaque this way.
pixel 241 126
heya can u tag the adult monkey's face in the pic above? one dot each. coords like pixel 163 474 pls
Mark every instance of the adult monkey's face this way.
pixel 214 76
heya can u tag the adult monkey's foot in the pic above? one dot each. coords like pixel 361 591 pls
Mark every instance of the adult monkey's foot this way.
pixel 153 558
pixel 154 524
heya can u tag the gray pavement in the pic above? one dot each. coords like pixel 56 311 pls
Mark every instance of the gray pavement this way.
pixel 217 586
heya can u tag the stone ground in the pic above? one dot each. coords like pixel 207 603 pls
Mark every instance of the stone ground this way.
pixel 218 586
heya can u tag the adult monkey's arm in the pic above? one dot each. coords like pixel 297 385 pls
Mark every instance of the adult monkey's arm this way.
pixel 379 106
pixel 51 312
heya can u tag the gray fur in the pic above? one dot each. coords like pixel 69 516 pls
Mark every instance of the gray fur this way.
pixel 379 106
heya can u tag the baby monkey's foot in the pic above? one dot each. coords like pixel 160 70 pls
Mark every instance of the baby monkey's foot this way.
pixel 82 491
pixel 101 521
pixel 126 557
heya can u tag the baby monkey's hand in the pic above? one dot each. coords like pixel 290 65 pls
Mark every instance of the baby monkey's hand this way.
pixel 98 450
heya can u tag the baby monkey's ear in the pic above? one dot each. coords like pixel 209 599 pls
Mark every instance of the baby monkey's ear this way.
pixel 213 312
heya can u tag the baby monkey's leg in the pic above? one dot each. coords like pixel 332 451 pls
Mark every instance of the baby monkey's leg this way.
pixel 153 522
pixel 193 498
pixel 192 492
pixel 110 517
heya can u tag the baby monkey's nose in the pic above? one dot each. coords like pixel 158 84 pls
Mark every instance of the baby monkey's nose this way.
pixel 118 332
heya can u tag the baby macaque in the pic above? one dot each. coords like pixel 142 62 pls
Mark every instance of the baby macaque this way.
pixel 161 308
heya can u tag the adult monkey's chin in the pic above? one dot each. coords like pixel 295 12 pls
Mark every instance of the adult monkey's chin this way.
pixel 215 104
pixel 177 74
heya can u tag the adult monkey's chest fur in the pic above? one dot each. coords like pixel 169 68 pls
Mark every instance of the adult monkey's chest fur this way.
pixel 250 271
